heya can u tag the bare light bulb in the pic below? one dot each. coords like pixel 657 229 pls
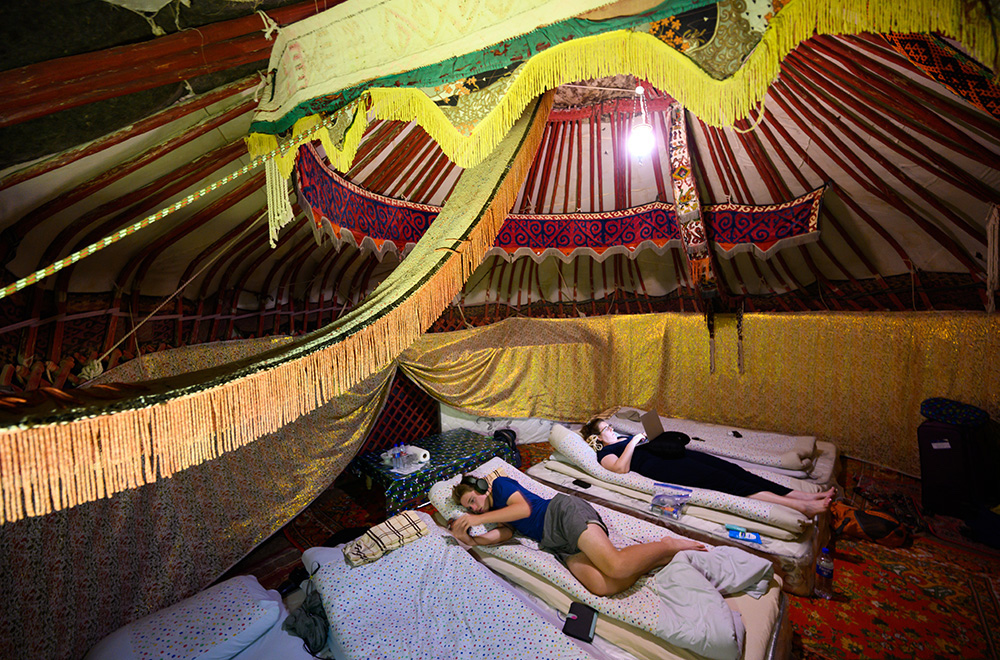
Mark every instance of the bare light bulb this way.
pixel 640 139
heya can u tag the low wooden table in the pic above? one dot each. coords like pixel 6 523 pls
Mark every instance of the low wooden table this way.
pixel 452 452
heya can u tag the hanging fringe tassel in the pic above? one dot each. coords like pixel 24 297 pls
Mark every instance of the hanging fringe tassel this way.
pixel 716 102
pixel 992 258
pixel 55 466
pixel 279 209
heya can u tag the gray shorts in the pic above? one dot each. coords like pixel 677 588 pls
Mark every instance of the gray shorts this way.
pixel 565 520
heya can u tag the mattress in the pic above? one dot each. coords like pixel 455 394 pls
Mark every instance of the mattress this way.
pixel 625 619
pixel 765 453
pixel 794 557
pixel 429 599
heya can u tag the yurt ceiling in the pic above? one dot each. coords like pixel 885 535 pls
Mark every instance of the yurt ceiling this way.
pixel 284 205
pixel 864 179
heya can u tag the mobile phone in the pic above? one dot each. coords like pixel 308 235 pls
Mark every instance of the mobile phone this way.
pixel 581 483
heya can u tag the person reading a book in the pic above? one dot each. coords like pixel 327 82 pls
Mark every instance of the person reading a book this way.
pixel 663 461
pixel 565 526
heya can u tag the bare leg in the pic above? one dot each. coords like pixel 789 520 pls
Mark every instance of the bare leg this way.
pixel 593 579
pixel 605 569
pixel 806 507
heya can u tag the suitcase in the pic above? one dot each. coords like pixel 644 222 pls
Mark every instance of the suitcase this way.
pixel 952 467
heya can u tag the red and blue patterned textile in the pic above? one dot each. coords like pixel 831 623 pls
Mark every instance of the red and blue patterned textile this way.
pixel 385 224
pixel 735 227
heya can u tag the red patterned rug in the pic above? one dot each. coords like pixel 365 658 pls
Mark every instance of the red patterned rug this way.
pixel 933 599
pixel 332 511
pixel 533 453
pixel 896 603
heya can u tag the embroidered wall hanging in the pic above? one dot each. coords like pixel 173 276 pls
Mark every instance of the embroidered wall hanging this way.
pixel 349 213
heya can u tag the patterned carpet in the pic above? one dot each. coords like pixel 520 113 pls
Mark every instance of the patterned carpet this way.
pixel 937 598
pixel 934 599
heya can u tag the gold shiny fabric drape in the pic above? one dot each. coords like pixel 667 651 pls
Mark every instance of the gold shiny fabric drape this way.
pixel 73 576
pixel 853 379
pixel 57 458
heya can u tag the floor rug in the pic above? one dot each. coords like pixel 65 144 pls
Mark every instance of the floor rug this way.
pixel 332 511
pixel 897 603
pixel 533 453
pixel 951 531
pixel 930 600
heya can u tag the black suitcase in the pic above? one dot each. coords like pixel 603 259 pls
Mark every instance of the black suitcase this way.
pixel 952 467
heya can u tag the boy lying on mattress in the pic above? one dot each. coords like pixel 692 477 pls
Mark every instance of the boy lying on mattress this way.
pixel 664 460
pixel 565 526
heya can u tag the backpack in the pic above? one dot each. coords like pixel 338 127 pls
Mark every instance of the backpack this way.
pixel 509 437
pixel 868 524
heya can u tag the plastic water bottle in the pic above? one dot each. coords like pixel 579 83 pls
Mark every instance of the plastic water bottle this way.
pixel 824 575
pixel 396 457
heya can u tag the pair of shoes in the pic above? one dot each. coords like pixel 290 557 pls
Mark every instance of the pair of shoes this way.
pixel 293 581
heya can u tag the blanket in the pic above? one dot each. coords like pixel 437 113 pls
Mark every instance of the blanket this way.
pixel 389 535
pixel 778 450
pixel 642 606
pixel 429 599
pixel 694 614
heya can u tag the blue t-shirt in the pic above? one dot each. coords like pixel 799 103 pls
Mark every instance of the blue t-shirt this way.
pixel 534 525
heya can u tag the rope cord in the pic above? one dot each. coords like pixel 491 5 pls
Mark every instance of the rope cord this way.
pixel 992 258
pixel 54 268
pixel 183 286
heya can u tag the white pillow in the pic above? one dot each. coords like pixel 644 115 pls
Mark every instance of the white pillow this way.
pixel 214 624
pixel 528 429
pixel 440 495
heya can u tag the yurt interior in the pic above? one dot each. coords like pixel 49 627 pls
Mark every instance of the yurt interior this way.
pixel 604 329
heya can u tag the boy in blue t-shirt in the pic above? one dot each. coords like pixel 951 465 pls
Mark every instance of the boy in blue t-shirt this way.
pixel 566 526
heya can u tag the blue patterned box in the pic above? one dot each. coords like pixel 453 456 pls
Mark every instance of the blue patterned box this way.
pixel 458 450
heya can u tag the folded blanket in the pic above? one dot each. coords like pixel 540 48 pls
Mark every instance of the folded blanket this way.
pixel 380 539
pixel 692 586
pixel 778 450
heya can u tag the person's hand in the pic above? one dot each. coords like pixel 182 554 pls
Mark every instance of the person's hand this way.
pixel 461 525
pixel 639 438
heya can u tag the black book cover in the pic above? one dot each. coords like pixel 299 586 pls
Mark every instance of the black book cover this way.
pixel 584 623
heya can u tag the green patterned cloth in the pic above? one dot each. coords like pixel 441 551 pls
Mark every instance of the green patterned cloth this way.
pixel 458 450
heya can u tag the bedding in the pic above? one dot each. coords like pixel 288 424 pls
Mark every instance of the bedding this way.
pixel 793 555
pixel 637 619
pixel 791 455
pixel 576 451
pixel 236 618
pixel 528 429
pixel 428 599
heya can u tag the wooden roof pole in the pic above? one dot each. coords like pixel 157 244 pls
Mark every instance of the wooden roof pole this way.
pixel 805 185
pixel 961 223
pixel 40 89
pixel 864 176
pixel 162 118
pixel 207 253
pixel 813 69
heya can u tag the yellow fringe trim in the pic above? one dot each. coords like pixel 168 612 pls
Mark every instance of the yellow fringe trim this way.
pixel 50 467
pixel 716 102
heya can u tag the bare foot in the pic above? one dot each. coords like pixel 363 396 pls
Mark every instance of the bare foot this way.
pixel 809 497
pixel 815 507
pixel 678 544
